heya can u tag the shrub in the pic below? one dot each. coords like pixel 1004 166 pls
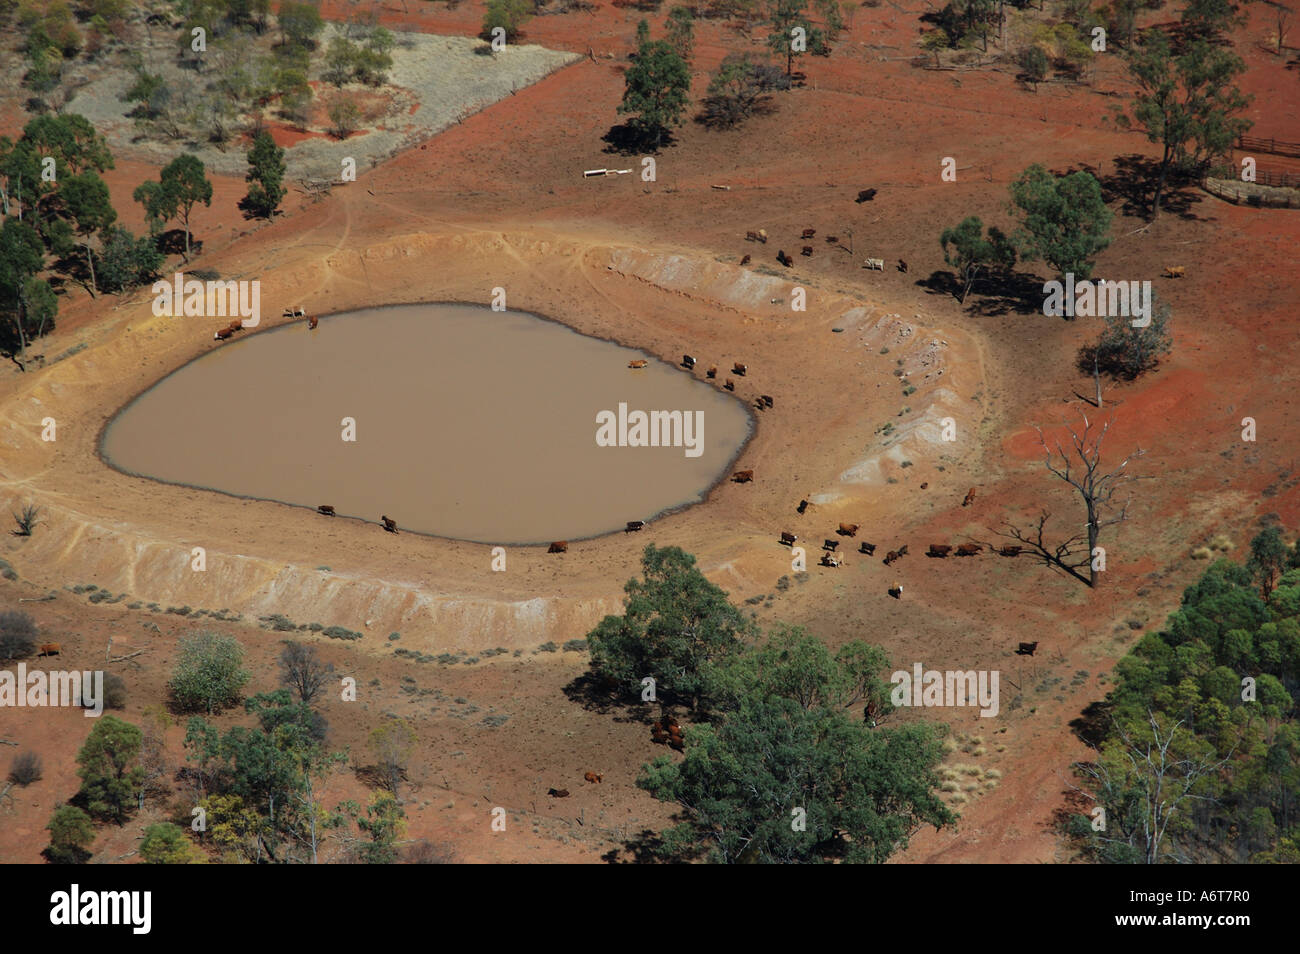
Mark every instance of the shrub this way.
pixel 509 15
pixel 71 831
pixel 425 852
pixel 303 670
pixel 17 635
pixel 166 844
pixel 278 622
pixel 575 646
pixel 126 261
pixel 344 118
pixel 26 768
pixel 26 520
pixel 209 675
pixel 1033 64
pixel 114 691
pixel 340 632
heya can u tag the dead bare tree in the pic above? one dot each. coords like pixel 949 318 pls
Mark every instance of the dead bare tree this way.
pixel 1080 467
pixel 1161 776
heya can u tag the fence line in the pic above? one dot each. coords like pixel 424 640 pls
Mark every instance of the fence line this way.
pixel 1278 147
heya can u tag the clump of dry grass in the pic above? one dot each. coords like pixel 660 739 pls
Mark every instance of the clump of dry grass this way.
pixel 1201 553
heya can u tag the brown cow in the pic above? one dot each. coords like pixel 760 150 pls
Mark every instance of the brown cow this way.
pixel 902 266
pixel 1027 649
pixel 1010 551
pixel 830 545
pixel 743 476
pixel 808 233
pixel 866 195
pixel 592 777
pixel 49 649
pixel 969 549
pixel 745 260
pixel 788 538
pixel 222 335
pixel 848 530
pixel 312 322
pixel 235 326
pixel 939 550
pixel 806 251
pixel 759 236
pixel 896 554
pixel 829 559
pixel 633 526
pixel 389 524
pixel 712 372
pixel 739 369
pixel 970 498
pixel 559 546
pixel 558 792
pixel 1175 271
pixel 638 364
pixel 325 509
pixel 677 744
pixel 832 239
pixel 730 385
pixel 868 548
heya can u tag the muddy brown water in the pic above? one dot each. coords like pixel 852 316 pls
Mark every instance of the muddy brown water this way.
pixel 470 424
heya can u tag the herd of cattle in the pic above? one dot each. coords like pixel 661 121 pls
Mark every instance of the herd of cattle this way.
pixel 226 332
pixel 762 402
pixel 760 235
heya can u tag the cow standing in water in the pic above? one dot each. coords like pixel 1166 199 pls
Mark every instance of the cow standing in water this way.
pixel 312 321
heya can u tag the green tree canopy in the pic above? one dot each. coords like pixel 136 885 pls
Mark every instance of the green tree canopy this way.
pixel 657 90
pixel 967 249
pixel 676 627
pixel 745 785
pixel 209 674
pixel 265 175
pixel 165 844
pixel 1063 219
pixel 111 777
pixel 181 186
pixel 71 834
pixel 1185 103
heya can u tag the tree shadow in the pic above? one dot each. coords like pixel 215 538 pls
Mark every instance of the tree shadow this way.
pixel 633 139
pixel 1014 292
pixel 596 694
pixel 172 242
pixel 1133 183
pixel 643 847
pixel 1093 724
